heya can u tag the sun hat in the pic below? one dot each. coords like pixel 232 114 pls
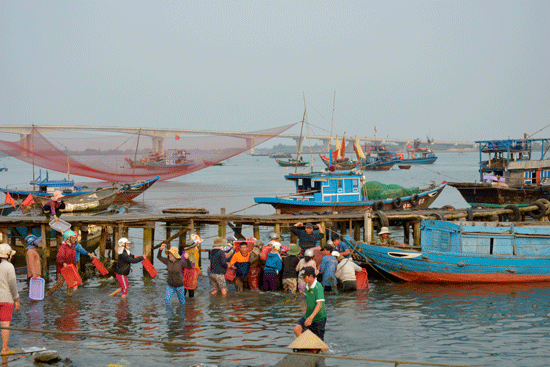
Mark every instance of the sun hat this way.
pixel 284 249
pixel 32 241
pixel 276 246
pixel 294 249
pixel 308 340
pixel 196 238
pixel 383 230
pixel 174 251
pixel 273 235
pixel 68 234
pixel 219 242
pixel 231 239
pixel 309 253
pixel 29 240
pixel 123 241
pixel 6 251
pixel 309 225
pixel 335 254
pixel 57 195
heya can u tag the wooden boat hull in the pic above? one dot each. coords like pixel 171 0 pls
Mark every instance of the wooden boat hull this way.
pixel 495 195
pixel 378 166
pixel 98 200
pixel 345 165
pixel 430 160
pixel 291 164
pixel 300 205
pixel 404 166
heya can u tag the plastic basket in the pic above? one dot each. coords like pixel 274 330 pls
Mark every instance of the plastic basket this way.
pixel 60 225
pixel 230 274
pixel 99 266
pixel 149 267
pixel 362 279
pixel 70 274
pixel 190 278
pixel 36 289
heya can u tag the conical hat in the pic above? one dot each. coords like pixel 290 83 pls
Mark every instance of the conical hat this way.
pixel 308 340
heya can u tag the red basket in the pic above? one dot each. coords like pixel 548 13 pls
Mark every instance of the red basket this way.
pixel 265 252
pixel 190 278
pixel 362 279
pixel 102 269
pixel 70 274
pixel 149 267
pixel 230 274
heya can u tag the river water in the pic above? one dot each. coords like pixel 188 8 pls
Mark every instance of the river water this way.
pixel 482 325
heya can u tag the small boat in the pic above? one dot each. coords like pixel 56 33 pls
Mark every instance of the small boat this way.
pixel 185 211
pixel 98 200
pixel 418 155
pixel 161 162
pixel 469 252
pixel 342 164
pixel 510 175
pixel 404 166
pixel 46 187
pixel 280 155
pixel 347 192
pixel 7 208
pixel 292 163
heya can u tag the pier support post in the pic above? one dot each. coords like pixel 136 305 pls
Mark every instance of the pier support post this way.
pixel 324 239
pixel 118 236
pixel 45 251
pixel 416 233
pixel 148 232
pixel 406 232
pixel 367 230
pixel 356 232
pixel 256 231
pixel 168 233
pixel 103 242
pixel 222 226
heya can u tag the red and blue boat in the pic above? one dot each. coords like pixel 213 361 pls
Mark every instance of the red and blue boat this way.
pixel 468 253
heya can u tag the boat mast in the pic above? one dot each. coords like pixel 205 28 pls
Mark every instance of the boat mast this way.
pixel 135 154
pixel 301 134
pixel 332 122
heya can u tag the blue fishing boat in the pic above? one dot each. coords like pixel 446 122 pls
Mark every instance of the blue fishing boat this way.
pixel 418 155
pixel 468 253
pixel 347 192
pixel 45 187
pixel 511 174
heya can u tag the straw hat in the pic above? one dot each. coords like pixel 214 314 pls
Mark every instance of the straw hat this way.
pixel 308 340
pixel 384 230
pixel 57 195
pixel 6 251
pixel 219 242
pixel 294 249
pixel 174 251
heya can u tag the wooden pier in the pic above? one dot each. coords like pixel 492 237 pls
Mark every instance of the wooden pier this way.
pixel 360 226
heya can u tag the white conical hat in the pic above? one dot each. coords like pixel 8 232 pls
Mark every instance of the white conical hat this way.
pixel 308 340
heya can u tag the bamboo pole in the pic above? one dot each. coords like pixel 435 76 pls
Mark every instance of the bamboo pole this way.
pixel 45 251
pixel 367 227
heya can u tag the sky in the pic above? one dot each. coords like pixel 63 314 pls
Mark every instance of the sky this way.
pixel 453 70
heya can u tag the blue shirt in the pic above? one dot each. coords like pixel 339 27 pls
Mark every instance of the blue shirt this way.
pixel 78 249
pixel 273 264
pixel 342 247
pixel 328 268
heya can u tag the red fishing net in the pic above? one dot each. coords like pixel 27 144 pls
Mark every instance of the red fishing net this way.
pixel 123 157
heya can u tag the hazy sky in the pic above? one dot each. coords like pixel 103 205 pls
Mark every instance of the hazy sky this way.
pixel 455 70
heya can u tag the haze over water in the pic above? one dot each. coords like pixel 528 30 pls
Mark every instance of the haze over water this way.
pixel 482 325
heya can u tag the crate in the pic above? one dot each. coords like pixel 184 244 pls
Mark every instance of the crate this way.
pixel 149 267
pixel 36 288
pixel 71 276
pixel 60 225
pixel 102 269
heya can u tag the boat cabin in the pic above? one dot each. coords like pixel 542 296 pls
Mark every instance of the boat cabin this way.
pixel 511 162
pixel 327 186
pixel 47 185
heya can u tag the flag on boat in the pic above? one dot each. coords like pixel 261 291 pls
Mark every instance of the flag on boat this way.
pixel 28 201
pixel 358 151
pixel 336 153
pixel 343 148
pixel 9 199
pixel 375 130
pixel 177 137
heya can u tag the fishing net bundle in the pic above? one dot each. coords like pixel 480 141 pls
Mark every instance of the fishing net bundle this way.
pixel 375 190
pixel 128 157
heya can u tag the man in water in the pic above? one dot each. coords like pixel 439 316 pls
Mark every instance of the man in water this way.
pixel 315 316
pixel 306 238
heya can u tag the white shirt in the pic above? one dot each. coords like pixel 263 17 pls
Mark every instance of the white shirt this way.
pixel 345 271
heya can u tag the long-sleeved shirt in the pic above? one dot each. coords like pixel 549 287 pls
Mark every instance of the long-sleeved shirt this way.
pixel 33 263
pixel 65 254
pixel 218 263
pixel 124 262
pixel 79 250
pixel 53 206
pixel 8 284
pixel 302 264
pixel 345 271
pixel 175 269
pixel 328 268
pixel 273 264
pixel 289 266
pixel 306 240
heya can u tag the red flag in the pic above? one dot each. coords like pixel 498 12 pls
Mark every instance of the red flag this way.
pixel 28 201
pixel 9 199
pixel 343 148
pixel 375 130
pixel 177 137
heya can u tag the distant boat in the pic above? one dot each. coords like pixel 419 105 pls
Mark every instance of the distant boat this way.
pixel 280 155
pixel 342 164
pixel 3 169
pixel 510 175
pixel 469 253
pixel 404 166
pixel 161 162
pixel 291 163
pixel 46 187
pixel 345 192
pixel 418 155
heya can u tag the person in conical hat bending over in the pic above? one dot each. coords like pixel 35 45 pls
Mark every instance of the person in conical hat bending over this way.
pixel 124 262
pixel 54 205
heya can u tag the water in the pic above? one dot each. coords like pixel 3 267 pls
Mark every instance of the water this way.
pixel 484 325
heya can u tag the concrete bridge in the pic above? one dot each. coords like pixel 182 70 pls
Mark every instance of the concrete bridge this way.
pixel 158 135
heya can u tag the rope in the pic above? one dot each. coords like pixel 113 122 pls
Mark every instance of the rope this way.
pixel 201 345
pixel 248 207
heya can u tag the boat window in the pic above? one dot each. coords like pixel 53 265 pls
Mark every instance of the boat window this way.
pixel 340 183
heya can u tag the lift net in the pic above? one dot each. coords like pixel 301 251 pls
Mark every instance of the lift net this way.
pixel 122 157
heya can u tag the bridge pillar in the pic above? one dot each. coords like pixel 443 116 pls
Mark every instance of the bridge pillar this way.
pixel 250 145
pixel 299 143
pixel 158 144
pixel 326 144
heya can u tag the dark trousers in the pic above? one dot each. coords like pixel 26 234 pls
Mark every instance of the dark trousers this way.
pixel 271 281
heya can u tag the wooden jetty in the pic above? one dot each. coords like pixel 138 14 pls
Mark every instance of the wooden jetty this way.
pixel 361 227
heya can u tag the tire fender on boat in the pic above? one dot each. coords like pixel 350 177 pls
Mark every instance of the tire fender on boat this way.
pixel 540 212
pixel 438 216
pixel 378 205
pixel 414 199
pixel 396 202
pixel 515 216
pixel 384 222
pixel 127 187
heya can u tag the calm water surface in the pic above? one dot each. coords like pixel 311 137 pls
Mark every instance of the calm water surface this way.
pixel 483 325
